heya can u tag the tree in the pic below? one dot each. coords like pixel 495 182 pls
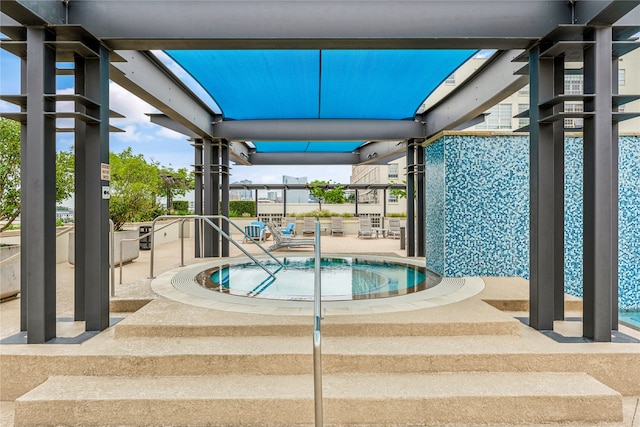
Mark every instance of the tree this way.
pixel 175 182
pixel 322 192
pixel 10 172
pixel 135 183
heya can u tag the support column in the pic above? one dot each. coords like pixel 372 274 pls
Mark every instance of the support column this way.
pixel 96 207
pixel 356 200
pixel 600 241
pixel 80 179
pixel 284 204
pixel 558 190
pixel 615 153
pixel 256 199
pixel 23 208
pixel 224 147
pixel 420 195
pixel 541 152
pixel 197 202
pixel 411 237
pixel 210 188
pixel 38 192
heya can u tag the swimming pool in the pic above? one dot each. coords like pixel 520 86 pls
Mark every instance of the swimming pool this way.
pixel 630 319
pixel 343 278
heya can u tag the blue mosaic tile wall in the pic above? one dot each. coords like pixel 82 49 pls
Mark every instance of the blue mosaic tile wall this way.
pixel 478 210
pixel 434 174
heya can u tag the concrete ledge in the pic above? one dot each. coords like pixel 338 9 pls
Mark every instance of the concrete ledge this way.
pixel 127 305
pixel 369 399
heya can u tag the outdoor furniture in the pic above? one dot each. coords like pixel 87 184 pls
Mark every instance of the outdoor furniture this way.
pixel 365 230
pixel 394 228
pixel 336 225
pixel 253 232
pixel 283 241
pixel 309 226
pixel 290 230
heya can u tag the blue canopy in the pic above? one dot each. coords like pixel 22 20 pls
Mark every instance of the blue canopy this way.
pixel 319 84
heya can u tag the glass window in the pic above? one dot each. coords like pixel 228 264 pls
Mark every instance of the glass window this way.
pixel 499 117
pixel 621 77
pixel 573 123
pixel 573 84
pixel 451 80
pixel 522 122
pixel 393 170
pixel 392 198
pixel 524 91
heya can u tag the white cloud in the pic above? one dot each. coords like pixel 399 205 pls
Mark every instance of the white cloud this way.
pixel 170 134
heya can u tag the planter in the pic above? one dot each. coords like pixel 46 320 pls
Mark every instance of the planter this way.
pixel 130 250
pixel 9 272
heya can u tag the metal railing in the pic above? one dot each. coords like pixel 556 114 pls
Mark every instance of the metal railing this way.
pixel 208 220
pixel 317 348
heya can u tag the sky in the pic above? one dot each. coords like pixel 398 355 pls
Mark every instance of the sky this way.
pixel 156 142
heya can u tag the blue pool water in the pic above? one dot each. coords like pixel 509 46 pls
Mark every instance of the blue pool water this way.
pixel 630 318
pixel 342 279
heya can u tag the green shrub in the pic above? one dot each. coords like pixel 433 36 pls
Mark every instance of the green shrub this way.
pixel 181 207
pixel 241 207
pixel 397 215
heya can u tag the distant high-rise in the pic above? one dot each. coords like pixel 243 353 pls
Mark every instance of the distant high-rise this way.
pixel 241 194
pixel 296 196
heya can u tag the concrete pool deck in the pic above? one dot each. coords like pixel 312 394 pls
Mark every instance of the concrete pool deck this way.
pixel 166 339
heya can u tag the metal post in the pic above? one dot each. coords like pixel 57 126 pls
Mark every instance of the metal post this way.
pixel 24 206
pixel 420 196
pixel 224 147
pixel 317 347
pixel 38 236
pixel 284 200
pixel 97 207
pixel 198 171
pixel 558 194
pixel 614 202
pixel 112 259
pixel 208 184
pixel 411 238
pixel 541 152
pixel 599 243
pixel 214 181
pixel 356 200
pixel 80 179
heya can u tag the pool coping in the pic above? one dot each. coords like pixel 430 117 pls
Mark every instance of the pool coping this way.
pixel 179 285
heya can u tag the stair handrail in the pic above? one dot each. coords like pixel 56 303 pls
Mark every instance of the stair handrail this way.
pixel 207 219
pixel 317 348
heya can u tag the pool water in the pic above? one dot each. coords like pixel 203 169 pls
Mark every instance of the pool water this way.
pixel 630 318
pixel 342 279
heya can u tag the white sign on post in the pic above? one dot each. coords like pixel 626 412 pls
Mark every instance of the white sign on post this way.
pixel 105 172
pixel 106 192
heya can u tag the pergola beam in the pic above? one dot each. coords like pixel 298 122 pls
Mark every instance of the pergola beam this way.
pixel 489 85
pixel 146 77
pixel 267 159
pixel 317 130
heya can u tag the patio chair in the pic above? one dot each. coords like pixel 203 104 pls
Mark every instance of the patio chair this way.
pixel 309 226
pixel 283 241
pixel 255 231
pixel 394 228
pixel 336 225
pixel 290 230
pixel 366 230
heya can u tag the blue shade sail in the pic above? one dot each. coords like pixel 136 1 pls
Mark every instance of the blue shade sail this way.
pixel 313 84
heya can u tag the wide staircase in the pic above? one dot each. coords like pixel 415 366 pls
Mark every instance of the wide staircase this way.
pixel 176 364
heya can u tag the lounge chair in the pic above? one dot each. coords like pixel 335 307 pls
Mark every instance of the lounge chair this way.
pixel 366 230
pixel 336 225
pixel 394 228
pixel 283 241
pixel 309 226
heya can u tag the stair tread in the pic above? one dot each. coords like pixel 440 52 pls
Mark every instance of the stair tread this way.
pixel 342 386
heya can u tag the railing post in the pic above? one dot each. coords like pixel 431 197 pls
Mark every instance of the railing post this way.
pixel 317 309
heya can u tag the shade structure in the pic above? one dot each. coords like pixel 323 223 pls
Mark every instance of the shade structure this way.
pixel 319 84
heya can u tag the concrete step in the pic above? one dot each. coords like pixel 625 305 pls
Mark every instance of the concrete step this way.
pixel 22 368
pixel 469 317
pixel 363 399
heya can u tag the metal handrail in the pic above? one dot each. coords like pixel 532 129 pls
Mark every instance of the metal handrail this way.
pixel 317 349
pixel 207 219
pixel 17 254
pixel 112 258
pixel 137 239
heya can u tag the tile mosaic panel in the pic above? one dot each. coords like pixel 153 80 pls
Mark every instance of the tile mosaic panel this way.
pixel 478 210
pixel 434 214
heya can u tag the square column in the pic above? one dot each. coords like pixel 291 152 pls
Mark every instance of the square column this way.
pixel 38 192
pixel 96 204
pixel 600 237
pixel 224 148
pixel 542 193
pixel 198 207
pixel 411 238
pixel 420 196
